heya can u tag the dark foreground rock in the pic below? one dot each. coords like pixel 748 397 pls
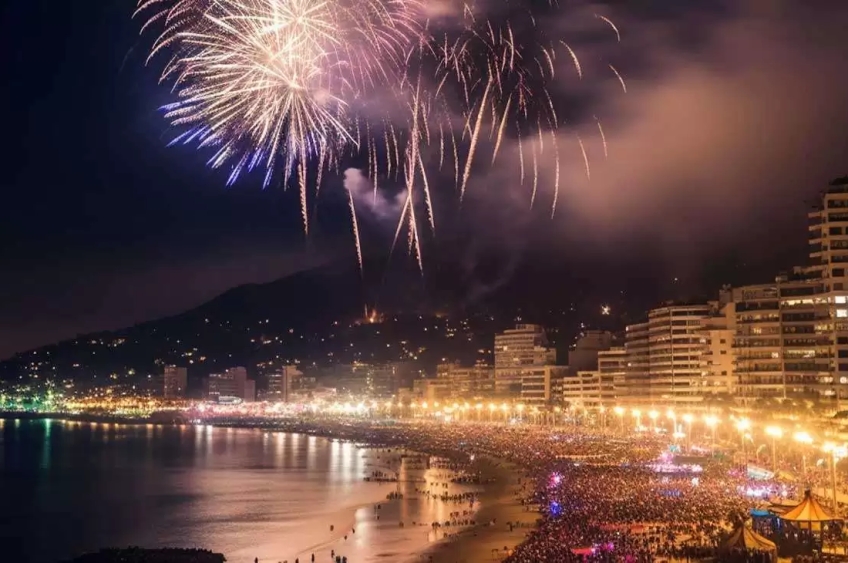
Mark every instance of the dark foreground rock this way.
pixel 139 555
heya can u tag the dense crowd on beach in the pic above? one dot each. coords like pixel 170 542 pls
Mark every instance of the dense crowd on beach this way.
pixel 597 496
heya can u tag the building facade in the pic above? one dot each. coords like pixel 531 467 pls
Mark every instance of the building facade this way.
pixel 683 354
pixel 612 370
pixel 362 380
pixel 537 384
pixel 175 382
pixel 791 337
pixel 230 386
pixel 281 384
pixel 517 352
pixel 584 390
pixel 467 383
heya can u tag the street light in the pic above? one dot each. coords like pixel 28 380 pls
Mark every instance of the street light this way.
pixel 775 432
pixel 804 439
pixel 836 453
pixel 743 425
pixel 619 412
pixel 712 421
pixel 688 418
pixel 653 415
pixel 669 414
pixel 637 414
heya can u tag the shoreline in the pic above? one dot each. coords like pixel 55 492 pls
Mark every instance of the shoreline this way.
pixel 491 538
pixel 498 508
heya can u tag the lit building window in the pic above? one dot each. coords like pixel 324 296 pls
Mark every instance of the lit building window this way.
pixel 842 313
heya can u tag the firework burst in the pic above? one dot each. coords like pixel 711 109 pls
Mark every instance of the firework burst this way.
pixel 268 80
pixel 285 84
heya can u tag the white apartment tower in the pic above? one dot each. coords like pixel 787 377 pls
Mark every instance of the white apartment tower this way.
pixel 682 354
pixel 612 369
pixel 516 351
pixel 675 352
pixel 792 335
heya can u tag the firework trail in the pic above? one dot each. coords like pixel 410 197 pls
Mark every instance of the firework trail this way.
pixel 574 59
pixel 556 174
pixel 603 137
pixel 355 231
pixel 585 157
pixel 620 79
pixel 275 85
pixel 612 25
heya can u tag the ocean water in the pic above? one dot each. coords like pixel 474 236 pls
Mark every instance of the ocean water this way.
pixel 67 488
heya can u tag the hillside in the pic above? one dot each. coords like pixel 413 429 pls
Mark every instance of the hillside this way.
pixel 317 318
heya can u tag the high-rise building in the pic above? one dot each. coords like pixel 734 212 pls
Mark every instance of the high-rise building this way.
pixel 637 374
pixel 666 355
pixel 537 384
pixel 364 380
pixel 788 338
pixel 232 385
pixel 280 384
pixel 176 382
pixel 717 332
pixel 792 335
pixel 675 352
pixel 467 382
pixel 583 390
pixel 516 350
pixel 249 395
pixel 785 339
pixel 758 342
pixel 612 368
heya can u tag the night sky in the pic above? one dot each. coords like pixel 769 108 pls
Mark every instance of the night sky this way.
pixel 735 117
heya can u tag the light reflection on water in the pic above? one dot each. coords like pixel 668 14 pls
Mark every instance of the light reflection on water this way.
pixel 245 493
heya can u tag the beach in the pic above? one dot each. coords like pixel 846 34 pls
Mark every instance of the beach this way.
pixel 499 506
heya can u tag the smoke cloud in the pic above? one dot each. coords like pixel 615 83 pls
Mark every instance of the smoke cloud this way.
pixel 379 206
pixel 734 116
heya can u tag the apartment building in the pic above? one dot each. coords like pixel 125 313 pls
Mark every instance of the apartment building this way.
pixel 475 382
pixel 791 337
pixel 519 353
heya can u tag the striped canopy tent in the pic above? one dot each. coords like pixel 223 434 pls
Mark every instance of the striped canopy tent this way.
pixel 746 539
pixel 808 514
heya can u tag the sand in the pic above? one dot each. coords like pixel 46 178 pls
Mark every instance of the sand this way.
pixel 485 542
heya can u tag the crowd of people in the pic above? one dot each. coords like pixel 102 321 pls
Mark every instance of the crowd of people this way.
pixel 600 497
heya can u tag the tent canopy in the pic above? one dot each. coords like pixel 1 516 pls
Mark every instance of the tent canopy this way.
pixel 743 537
pixel 808 510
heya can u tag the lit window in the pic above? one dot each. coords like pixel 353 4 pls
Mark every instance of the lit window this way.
pixel 842 313
pixel 842 299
